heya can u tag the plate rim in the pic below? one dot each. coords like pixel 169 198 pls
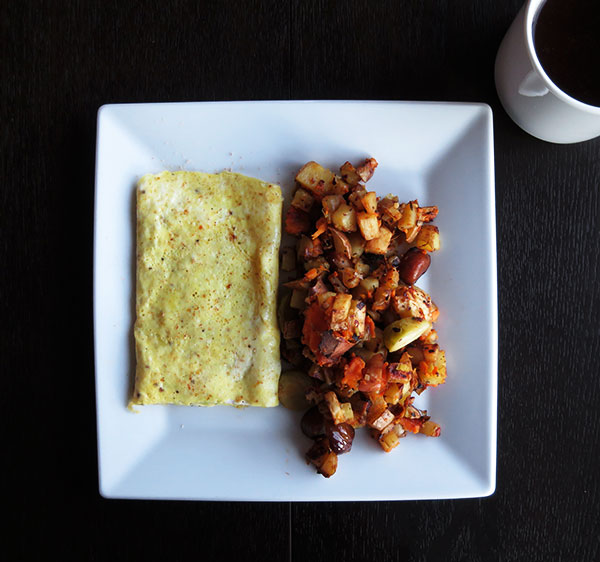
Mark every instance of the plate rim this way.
pixel 490 486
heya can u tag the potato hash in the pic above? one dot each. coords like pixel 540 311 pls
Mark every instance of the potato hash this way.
pixel 356 328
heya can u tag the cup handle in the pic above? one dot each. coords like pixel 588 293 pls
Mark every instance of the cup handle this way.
pixel 532 85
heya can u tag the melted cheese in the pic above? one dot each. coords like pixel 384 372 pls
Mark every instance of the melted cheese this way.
pixel 207 268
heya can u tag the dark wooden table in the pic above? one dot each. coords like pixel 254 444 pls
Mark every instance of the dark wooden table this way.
pixel 61 60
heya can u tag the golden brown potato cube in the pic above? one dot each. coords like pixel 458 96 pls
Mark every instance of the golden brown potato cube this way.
pixel 431 352
pixel 390 437
pixel 322 457
pixel 328 465
pixel 348 413
pixel 349 175
pixel 427 214
pixel 382 421
pixel 324 297
pixel 303 199
pixel 355 198
pixel 393 394
pixel 334 407
pixel 433 374
pixel 369 202
pixel 350 277
pixel 339 312
pixel 428 238
pixel 362 268
pixel 431 429
pixel 369 225
pixel 429 337
pixel 344 218
pixel 441 363
pixel 380 244
pixel 411 301
pixel 331 204
pixel 389 209
pixel 408 218
pixel 391 279
pixel 367 169
pixel 315 178
pixel 339 186
pixel 369 284
pixel 357 315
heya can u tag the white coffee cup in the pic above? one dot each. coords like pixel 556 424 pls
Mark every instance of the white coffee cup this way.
pixel 528 95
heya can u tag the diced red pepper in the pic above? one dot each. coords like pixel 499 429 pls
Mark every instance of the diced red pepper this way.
pixel 353 372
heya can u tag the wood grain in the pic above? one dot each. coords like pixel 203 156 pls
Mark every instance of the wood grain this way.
pixel 60 61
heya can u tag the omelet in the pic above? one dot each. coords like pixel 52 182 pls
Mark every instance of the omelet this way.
pixel 207 273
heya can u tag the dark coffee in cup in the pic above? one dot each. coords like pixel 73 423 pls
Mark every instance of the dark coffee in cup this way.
pixel 566 37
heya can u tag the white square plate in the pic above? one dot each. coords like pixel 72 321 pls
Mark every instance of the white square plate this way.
pixel 440 153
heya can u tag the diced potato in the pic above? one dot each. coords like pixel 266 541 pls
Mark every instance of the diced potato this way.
pixel 382 421
pixel 357 315
pixel 339 186
pixel 369 225
pixel 393 394
pixel 350 277
pixel 357 245
pixel 348 413
pixel 322 457
pixel 433 374
pixel 331 204
pixel 408 219
pixel 339 312
pixel 389 209
pixel 328 465
pixel 349 174
pixel 402 371
pixel 390 437
pixel 412 233
pixel 380 244
pixel 431 429
pixel 369 284
pixel 344 218
pixel 411 301
pixel 367 169
pixel 431 352
pixel 369 202
pixel 362 268
pixel 381 299
pixel 324 297
pixel 428 238
pixel 333 405
pixel 441 363
pixel 391 279
pixel 427 214
pixel 355 198
pixel 429 337
pixel 315 178
pixel 303 199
